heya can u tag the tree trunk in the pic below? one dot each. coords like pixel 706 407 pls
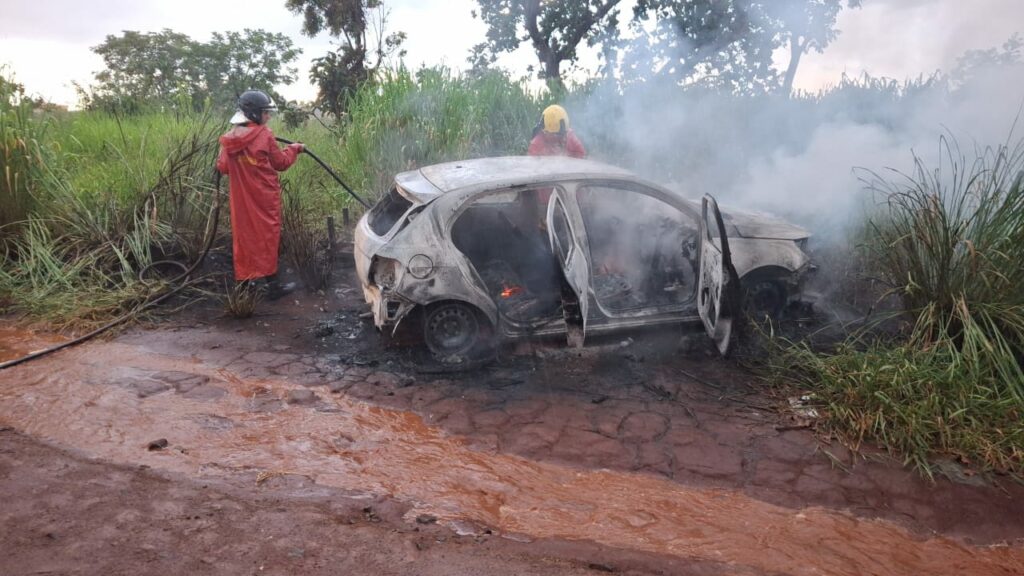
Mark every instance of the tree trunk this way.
pixel 797 46
pixel 552 72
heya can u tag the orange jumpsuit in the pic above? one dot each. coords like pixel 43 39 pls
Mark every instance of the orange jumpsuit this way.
pixel 547 144
pixel 251 159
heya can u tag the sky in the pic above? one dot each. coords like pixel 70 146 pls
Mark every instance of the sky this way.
pixel 46 43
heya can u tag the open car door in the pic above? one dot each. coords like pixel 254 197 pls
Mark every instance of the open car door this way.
pixel 718 291
pixel 565 245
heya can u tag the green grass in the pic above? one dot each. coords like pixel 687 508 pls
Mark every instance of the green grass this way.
pixel 108 198
pixel 22 159
pixel 949 242
pixel 412 120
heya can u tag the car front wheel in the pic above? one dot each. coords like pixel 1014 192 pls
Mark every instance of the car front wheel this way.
pixel 764 299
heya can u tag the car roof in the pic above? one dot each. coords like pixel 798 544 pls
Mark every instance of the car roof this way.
pixel 489 173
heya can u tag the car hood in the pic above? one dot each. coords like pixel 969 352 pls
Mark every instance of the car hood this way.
pixel 749 225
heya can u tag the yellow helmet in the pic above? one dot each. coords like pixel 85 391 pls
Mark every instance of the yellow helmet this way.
pixel 554 120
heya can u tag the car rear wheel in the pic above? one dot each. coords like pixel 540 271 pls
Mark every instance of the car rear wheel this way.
pixel 452 331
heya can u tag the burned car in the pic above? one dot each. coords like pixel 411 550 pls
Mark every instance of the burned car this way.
pixel 508 248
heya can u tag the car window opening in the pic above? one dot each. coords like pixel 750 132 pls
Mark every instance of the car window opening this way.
pixel 643 251
pixel 503 237
pixel 387 212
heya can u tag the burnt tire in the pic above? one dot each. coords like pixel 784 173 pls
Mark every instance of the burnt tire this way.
pixel 764 299
pixel 455 333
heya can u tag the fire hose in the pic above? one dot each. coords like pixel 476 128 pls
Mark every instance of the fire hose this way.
pixel 183 279
pixel 329 171
pixel 176 285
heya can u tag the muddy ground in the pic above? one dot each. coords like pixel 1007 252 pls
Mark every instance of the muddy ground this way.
pixel 300 441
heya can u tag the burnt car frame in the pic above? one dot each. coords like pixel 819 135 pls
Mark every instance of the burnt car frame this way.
pixel 518 247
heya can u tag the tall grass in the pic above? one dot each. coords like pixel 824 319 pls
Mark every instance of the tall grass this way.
pixel 410 120
pixel 93 231
pixel 304 240
pixel 21 160
pixel 949 242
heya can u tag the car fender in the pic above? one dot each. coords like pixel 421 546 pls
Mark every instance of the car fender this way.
pixel 749 254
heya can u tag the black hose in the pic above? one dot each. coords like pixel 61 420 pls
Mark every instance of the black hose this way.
pixel 329 171
pixel 183 278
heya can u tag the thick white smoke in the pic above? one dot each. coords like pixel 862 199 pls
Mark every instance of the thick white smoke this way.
pixel 798 158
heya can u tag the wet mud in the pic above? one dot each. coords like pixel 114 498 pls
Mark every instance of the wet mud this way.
pixel 17 342
pixel 619 446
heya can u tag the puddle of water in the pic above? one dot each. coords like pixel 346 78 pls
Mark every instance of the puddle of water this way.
pixel 89 399
pixel 15 342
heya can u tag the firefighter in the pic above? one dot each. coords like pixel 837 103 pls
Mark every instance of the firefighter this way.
pixel 250 157
pixel 553 137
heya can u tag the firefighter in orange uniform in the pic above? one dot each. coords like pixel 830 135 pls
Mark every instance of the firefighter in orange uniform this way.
pixel 251 159
pixel 553 137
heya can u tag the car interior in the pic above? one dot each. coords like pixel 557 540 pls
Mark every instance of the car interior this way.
pixel 643 252
pixel 503 236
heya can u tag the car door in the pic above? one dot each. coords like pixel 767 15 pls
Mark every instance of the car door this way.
pixel 718 288
pixel 568 250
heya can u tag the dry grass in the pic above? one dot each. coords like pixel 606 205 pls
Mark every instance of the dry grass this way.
pixel 241 299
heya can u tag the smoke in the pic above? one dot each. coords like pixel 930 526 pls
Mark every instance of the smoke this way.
pixel 800 158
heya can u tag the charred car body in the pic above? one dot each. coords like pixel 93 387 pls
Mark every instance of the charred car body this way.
pixel 515 247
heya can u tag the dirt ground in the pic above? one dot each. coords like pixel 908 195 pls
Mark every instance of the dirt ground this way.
pixel 301 441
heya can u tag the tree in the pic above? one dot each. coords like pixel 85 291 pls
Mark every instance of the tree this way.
pixel 972 62
pixel 360 26
pixel 729 44
pixel 252 59
pixel 555 28
pixel 168 67
pixel 720 44
pixel 805 25
pixel 145 66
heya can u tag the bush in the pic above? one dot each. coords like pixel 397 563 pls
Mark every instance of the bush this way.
pixel 949 242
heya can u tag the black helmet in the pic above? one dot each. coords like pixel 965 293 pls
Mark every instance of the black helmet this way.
pixel 251 104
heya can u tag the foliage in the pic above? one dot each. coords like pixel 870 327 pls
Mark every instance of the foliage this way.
pixel 360 26
pixel 949 242
pixel 111 199
pixel 304 239
pixel 729 44
pixel 21 159
pixel 414 120
pixel 916 402
pixel 241 298
pixel 804 25
pixel 723 45
pixel 954 233
pixel 555 30
pixel 170 69
pixel 974 61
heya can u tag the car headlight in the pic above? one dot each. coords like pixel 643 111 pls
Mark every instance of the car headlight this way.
pixel 384 272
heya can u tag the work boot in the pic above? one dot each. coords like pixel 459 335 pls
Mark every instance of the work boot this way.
pixel 276 290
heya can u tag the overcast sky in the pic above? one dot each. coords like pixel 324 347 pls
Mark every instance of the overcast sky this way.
pixel 47 42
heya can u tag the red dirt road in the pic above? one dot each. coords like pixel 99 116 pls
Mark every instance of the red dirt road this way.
pixel 299 442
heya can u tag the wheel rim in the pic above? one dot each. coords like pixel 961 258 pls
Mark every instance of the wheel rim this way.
pixel 451 329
